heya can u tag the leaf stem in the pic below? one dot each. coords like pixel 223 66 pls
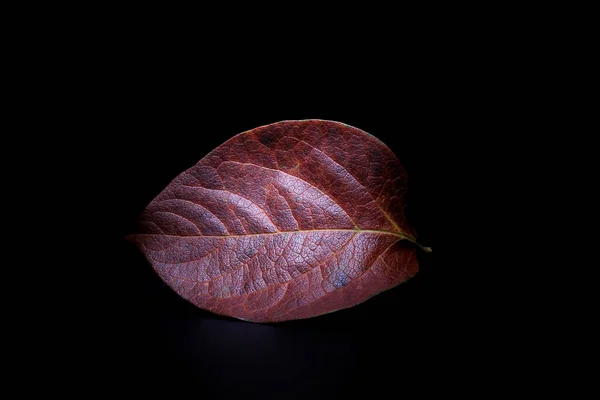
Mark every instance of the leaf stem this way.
pixel 412 240
pixel 425 249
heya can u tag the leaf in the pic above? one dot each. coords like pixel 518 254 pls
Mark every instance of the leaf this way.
pixel 286 221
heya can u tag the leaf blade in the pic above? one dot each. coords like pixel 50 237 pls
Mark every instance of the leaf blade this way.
pixel 278 223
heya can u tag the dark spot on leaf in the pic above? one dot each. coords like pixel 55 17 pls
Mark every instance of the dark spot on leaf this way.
pixel 377 168
pixel 340 280
pixel 267 139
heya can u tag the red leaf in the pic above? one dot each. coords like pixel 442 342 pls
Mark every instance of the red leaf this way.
pixel 286 221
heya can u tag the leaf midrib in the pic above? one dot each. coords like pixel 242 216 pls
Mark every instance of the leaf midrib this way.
pixel 371 231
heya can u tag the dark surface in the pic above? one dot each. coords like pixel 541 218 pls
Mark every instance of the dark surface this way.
pixel 155 338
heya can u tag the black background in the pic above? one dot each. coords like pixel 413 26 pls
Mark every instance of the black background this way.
pixel 148 132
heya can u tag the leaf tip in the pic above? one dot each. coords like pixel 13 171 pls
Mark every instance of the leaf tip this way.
pixel 131 238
